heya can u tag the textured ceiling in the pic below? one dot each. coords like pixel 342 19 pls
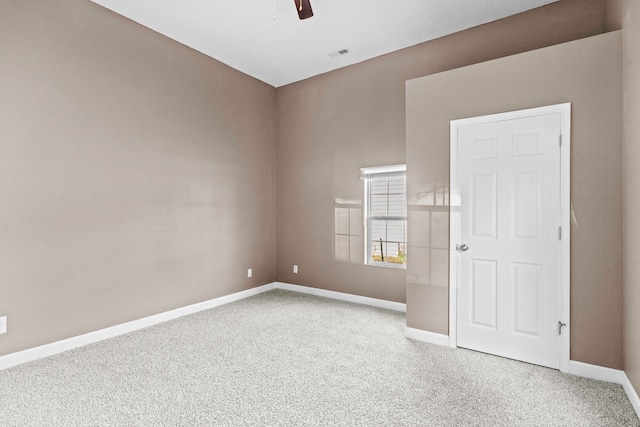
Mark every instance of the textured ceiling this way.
pixel 265 38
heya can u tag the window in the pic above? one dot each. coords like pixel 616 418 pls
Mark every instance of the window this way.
pixel 385 215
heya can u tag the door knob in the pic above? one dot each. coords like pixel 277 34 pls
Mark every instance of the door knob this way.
pixel 462 248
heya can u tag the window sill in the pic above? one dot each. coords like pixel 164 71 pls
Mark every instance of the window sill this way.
pixel 387 265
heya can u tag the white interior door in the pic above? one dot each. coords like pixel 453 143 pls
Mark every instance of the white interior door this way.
pixel 509 256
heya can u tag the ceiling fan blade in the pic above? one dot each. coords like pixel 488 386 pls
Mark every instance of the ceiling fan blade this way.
pixel 304 8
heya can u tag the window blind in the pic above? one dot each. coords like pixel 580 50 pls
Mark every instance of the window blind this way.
pixel 386 214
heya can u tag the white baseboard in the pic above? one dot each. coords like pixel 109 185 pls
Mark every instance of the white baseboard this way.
pixel 596 372
pixel 426 336
pixel 631 394
pixel 601 373
pixel 389 305
pixel 46 350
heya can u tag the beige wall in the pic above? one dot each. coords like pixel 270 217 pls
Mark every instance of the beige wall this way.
pixel 631 165
pixel 331 125
pixel 586 73
pixel 613 13
pixel 129 179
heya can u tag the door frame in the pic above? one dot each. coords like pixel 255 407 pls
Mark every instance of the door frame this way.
pixel 564 272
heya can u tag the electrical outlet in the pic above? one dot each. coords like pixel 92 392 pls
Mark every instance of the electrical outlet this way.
pixel 249 272
pixel 295 269
pixel 3 324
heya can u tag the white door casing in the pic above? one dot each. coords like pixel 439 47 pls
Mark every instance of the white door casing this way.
pixel 510 207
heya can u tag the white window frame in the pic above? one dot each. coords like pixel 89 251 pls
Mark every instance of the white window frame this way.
pixel 366 174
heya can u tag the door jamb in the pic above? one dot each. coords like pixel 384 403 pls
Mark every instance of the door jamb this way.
pixel 565 211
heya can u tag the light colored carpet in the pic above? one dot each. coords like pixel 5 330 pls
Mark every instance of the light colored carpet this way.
pixel 281 359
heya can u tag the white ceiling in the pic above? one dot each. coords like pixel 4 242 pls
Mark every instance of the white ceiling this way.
pixel 265 38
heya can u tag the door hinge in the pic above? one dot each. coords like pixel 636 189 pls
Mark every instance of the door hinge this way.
pixel 560 326
pixel 559 233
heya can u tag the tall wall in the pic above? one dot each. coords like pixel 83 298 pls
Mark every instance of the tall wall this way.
pixel 331 125
pixel 631 191
pixel 130 181
pixel 588 74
